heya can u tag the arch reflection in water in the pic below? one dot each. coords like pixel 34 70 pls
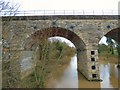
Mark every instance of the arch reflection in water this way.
pixel 72 79
pixel 105 75
pixel 109 75
pixel 69 78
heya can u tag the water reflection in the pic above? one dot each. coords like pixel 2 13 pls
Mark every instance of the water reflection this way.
pixel 70 76
pixel 115 71
pixel 109 75
pixel 105 76
pixel 72 79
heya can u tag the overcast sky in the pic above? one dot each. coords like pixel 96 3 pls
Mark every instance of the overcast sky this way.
pixel 68 4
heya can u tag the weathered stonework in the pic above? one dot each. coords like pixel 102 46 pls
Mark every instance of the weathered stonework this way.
pixel 90 30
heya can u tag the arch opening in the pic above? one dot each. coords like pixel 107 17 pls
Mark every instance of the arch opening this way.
pixel 108 51
pixel 32 44
pixel 41 36
pixel 83 54
pixel 111 40
pixel 114 34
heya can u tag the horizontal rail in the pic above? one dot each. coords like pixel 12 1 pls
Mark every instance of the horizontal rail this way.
pixel 58 12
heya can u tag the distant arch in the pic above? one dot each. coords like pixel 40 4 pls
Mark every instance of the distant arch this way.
pixel 114 34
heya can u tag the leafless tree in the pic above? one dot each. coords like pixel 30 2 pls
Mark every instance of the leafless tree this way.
pixel 8 9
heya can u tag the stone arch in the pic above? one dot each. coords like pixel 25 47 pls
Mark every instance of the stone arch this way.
pixel 51 32
pixel 83 55
pixel 114 34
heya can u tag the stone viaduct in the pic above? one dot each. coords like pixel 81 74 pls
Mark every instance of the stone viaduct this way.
pixel 21 35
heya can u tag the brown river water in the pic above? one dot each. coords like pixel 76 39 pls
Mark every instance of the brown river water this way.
pixel 71 78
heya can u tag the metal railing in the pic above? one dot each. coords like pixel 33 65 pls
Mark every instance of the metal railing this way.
pixel 58 12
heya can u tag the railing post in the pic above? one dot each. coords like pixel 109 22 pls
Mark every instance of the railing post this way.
pixel 73 12
pixel 64 12
pixel 24 13
pixel 83 12
pixel 102 12
pixel 54 12
pixel 93 12
pixel 44 12
pixel 34 12
pixel 112 12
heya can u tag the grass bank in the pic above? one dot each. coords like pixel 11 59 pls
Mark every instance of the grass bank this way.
pixel 107 54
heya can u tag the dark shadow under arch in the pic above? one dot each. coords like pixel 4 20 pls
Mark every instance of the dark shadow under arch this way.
pixel 51 32
pixel 114 34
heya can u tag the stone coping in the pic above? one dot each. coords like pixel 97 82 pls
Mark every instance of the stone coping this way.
pixel 62 17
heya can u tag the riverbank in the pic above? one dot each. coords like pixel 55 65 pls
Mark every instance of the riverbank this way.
pixel 50 72
pixel 58 56
pixel 108 58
